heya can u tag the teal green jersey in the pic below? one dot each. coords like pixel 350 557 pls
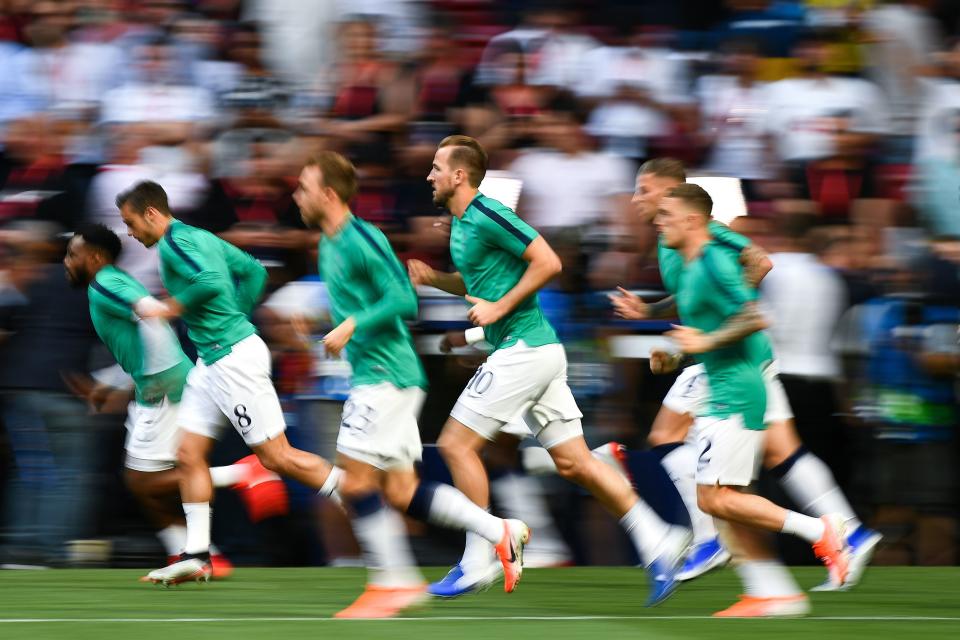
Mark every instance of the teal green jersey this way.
pixel 710 290
pixel 366 280
pixel 217 284
pixel 147 350
pixel 671 264
pixel 487 244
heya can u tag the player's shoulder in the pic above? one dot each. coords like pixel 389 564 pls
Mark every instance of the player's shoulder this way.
pixel 366 234
pixel 489 206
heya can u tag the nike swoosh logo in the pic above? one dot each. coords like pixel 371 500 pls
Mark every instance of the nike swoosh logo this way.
pixel 513 553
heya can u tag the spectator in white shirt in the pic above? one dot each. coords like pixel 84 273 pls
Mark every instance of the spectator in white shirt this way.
pixel 801 109
pixel 734 111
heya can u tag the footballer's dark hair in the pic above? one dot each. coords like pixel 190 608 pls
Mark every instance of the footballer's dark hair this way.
pixel 101 238
pixel 694 195
pixel 143 195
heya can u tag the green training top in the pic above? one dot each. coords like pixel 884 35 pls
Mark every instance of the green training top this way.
pixel 217 283
pixel 366 280
pixel 709 290
pixel 147 350
pixel 671 264
pixel 486 245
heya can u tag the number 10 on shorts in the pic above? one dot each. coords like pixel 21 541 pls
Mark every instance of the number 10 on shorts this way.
pixel 481 382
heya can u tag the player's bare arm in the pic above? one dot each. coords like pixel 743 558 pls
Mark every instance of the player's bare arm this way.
pixel 542 265
pixel 737 327
pixel 630 306
pixel 422 273
pixel 756 264
pixel 336 340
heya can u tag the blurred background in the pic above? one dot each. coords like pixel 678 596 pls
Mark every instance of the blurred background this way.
pixel 839 121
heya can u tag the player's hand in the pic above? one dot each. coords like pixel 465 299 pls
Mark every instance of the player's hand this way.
pixel 662 362
pixel 169 309
pixel 484 312
pixel 628 305
pixel 420 272
pixel 690 340
pixel 452 340
pixel 336 340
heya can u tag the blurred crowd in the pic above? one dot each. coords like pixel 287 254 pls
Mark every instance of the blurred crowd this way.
pixel 840 118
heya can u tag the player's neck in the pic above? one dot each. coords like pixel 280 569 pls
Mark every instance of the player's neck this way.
pixel 461 200
pixel 694 244
pixel 334 220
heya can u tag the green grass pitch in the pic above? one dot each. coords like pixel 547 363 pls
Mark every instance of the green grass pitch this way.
pixel 595 603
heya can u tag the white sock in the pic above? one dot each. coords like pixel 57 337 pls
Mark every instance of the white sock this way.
pixel 811 485
pixel 386 549
pixel 329 488
pixel 646 530
pixel 477 553
pixel 198 527
pixel 767 579
pixel 450 508
pixel 520 496
pixel 810 529
pixel 227 476
pixel 681 466
pixel 173 538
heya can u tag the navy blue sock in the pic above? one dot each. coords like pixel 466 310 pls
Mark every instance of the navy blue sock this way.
pixel 661 450
pixel 366 505
pixel 419 506
pixel 784 467
pixel 654 485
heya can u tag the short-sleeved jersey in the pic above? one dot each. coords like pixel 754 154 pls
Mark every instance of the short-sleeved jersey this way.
pixel 366 280
pixel 487 244
pixel 217 283
pixel 671 264
pixel 711 289
pixel 148 350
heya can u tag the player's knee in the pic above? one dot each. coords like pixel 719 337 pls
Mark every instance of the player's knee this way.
pixel 572 468
pixel 451 448
pixel 715 501
pixel 273 461
pixel 134 481
pixel 189 457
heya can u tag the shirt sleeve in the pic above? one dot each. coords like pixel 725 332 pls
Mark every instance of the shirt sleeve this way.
pixel 249 276
pixel 726 236
pixel 397 296
pixel 504 230
pixel 183 255
pixel 731 292
pixel 116 297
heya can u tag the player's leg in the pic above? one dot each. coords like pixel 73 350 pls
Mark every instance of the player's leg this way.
pixel 669 441
pixel 805 477
pixel 661 546
pixel 393 581
pixel 460 447
pixel 769 588
pixel 521 497
pixel 729 458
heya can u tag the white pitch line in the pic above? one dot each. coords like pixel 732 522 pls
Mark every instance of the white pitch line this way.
pixel 471 619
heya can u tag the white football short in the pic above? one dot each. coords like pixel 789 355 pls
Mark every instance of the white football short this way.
pixel 153 435
pixel 690 393
pixel 238 387
pixel 728 453
pixel 379 426
pixel 522 381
